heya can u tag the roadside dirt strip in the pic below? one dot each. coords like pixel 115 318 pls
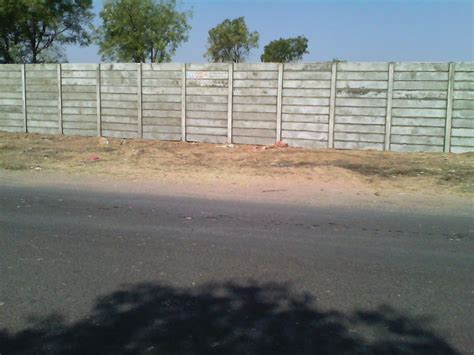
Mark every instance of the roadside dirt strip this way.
pixel 380 172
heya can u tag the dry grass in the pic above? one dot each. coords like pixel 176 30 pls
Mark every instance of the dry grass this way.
pixel 183 160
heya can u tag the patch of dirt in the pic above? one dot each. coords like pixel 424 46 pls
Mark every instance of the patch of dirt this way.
pixel 186 161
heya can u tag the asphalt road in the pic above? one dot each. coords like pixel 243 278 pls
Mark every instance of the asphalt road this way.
pixel 83 272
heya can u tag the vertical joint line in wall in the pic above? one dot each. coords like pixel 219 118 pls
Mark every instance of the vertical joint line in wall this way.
pixel 183 102
pixel 449 109
pixel 388 116
pixel 98 98
pixel 332 105
pixel 60 100
pixel 139 99
pixel 230 103
pixel 23 96
pixel 279 101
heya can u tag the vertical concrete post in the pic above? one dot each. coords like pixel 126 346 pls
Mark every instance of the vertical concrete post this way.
pixel 449 109
pixel 279 101
pixel 388 116
pixel 98 104
pixel 183 102
pixel 230 103
pixel 332 105
pixel 23 97
pixel 139 99
pixel 60 100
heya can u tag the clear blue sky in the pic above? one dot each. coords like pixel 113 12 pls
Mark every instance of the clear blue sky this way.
pixel 354 30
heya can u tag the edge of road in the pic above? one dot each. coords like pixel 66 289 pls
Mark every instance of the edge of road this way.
pixel 282 192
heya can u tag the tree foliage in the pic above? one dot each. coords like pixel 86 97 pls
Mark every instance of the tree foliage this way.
pixel 231 41
pixel 141 30
pixel 33 31
pixel 285 50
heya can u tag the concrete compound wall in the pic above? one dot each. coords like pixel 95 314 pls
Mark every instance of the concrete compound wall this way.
pixel 383 106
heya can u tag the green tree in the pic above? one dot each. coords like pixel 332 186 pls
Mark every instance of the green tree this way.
pixel 285 50
pixel 9 32
pixel 141 30
pixel 231 41
pixel 33 31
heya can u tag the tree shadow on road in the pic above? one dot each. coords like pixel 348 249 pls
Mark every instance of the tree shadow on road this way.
pixel 228 318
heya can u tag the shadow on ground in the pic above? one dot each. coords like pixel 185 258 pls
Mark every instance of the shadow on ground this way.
pixel 227 318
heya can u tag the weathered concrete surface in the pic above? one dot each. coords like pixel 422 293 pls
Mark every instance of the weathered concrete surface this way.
pixel 378 271
pixel 401 107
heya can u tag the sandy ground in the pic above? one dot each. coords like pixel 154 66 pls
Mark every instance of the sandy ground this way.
pixel 269 174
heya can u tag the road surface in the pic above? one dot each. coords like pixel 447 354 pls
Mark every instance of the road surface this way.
pixel 120 273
